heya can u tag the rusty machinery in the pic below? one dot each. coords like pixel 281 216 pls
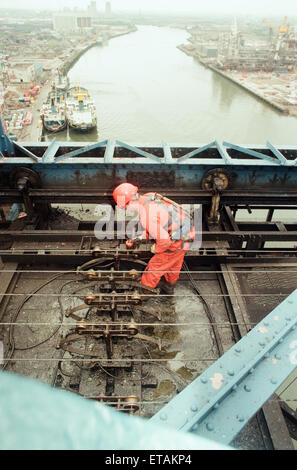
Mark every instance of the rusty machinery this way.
pixel 120 293
pixel 127 404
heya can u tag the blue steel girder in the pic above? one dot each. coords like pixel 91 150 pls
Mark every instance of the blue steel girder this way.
pixel 278 154
pixel 102 164
pixel 138 151
pixel 80 151
pixel 223 152
pixel 195 152
pixel 220 402
pixel 279 160
pixel 6 145
pixel 93 174
pixel 56 152
pixel 52 153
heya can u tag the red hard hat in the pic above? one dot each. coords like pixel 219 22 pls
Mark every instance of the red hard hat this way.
pixel 124 193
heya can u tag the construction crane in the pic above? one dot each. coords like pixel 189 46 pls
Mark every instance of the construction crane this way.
pixel 283 28
pixel 271 27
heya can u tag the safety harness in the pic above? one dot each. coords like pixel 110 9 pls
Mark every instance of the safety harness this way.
pixel 182 232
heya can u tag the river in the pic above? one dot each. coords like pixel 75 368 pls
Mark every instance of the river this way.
pixel 148 91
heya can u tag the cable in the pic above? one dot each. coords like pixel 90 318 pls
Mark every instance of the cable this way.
pixel 130 294
pixel 126 322
pixel 207 311
pixel 11 337
pixel 11 332
pixel 94 357
pixel 110 252
pixel 252 269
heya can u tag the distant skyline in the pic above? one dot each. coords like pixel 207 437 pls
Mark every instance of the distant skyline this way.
pixel 262 7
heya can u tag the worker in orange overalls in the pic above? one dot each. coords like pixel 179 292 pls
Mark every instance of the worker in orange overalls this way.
pixel 167 223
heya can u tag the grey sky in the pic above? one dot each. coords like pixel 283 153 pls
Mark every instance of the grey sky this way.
pixel 265 7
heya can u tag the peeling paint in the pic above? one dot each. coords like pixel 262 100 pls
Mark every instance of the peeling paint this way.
pixel 217 381
pixel 262 329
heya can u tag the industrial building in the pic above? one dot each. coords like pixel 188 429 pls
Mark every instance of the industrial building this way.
pixel 24 72
pixel 235 50
pixel 71 21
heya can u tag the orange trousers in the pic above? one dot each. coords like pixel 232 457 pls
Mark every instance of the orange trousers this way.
pixel 163 264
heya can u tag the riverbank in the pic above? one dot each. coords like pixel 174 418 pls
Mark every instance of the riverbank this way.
pixel 247 85
pixel 34 131
pixel 69 63
pixel 276 90
pixel 163 95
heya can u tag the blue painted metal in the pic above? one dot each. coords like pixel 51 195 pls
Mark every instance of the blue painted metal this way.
pixel 167 153
pixel 108 155
pixel 223 152
pixel 101 164
pixel 138 151
pixel 219 403
pixel 76 172
pixel 26 152
pixel 6 145
pixel 277 153
pixel 80 151
pixel 38 417
pixel 252 153
pixel 195 152
pixel 50 153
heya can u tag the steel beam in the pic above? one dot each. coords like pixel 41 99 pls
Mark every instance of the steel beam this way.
pixel 76 235
pixel 90 195
pixel 220 402
pixel 76 257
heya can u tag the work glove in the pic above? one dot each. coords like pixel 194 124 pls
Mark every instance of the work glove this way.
pixel 133 243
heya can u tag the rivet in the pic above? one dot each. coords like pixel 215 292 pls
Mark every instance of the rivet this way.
pixel 251 370
pixel 290 301
pixel 266 355
pixel 240 418
pixel 273 381
pixel 231 372
pixel 277 356
pixel 216 405
pixel 209 426
pixel 266 323
pixel 247 388
pixel 281 340
pixel 288 318
pixel 262 343
pixel 293 327
pixel 238 350
pixel 234 388
pixel 204 380
pixel 163 416
pixel 195 427
pixel 194 408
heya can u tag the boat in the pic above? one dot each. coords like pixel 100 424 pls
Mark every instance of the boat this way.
pixel 61 82
pixel 80 109
pixel 53 113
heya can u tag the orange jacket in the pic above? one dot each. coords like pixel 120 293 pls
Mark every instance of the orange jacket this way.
pixel 159 220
